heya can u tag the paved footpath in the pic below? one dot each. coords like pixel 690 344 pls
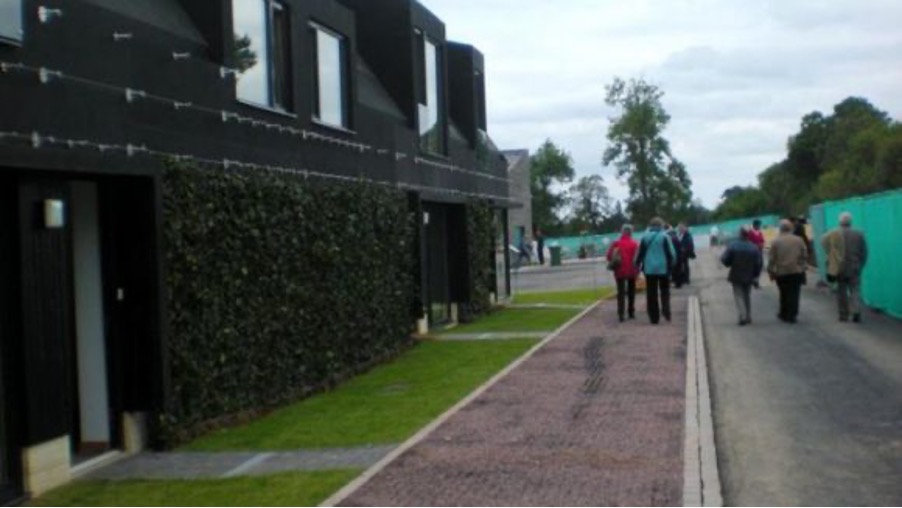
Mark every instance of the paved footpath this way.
pixel 594 417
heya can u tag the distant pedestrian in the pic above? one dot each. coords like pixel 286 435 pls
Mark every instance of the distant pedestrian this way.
pixel 524 251
pixel 714 236
pixel 757 238
pixel 799 228
pixel 847 253
pixel 745 262
pixel 787 263
pixel 540 245
pixel 655 259
pixel 674 268
pixel 620 256
pixel 685 247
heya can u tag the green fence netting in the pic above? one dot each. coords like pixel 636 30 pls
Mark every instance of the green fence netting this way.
pixel 879 216
pixel 598 244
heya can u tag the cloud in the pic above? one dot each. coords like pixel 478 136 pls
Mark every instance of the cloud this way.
pixel 737 75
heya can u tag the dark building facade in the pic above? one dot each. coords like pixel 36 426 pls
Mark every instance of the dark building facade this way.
pixel 96 94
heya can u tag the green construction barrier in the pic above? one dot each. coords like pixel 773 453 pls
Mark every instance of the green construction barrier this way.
pixel 598 244
pixel 879 216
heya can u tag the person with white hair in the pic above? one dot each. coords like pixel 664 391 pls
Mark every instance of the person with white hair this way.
pixel 847 253
pixel 787 262
pixel 745 262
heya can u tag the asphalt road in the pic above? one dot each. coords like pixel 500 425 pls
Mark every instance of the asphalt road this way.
pixel 805 414
pixel 579 275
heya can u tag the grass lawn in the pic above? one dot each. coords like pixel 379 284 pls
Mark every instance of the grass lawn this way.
pixel 583 297
pixel 517 320
pixel 385 405
pixel 286 489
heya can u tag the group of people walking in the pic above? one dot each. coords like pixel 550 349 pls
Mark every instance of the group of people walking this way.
pixel 662 256
pixel 787 265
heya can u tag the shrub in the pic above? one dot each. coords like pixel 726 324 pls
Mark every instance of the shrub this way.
pixel 276 287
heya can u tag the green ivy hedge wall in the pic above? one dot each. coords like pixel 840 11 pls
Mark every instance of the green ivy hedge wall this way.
pixel 276 287
pixel 480 259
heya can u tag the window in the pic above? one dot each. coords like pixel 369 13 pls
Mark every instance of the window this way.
pixel 262 52
pixel 479 78
pixel 330 104
pixel 11 28
pixel 429 111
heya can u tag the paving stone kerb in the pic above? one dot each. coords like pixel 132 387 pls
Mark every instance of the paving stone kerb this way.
pixel 198 465
pixel 595 417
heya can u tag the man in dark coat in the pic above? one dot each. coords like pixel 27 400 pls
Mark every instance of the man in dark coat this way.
pixel 745 262
pixel 685 246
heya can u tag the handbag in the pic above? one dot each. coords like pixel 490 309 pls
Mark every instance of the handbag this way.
pixel 616 259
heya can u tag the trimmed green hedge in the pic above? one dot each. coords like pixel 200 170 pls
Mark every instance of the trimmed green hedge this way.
pixel 277 287
pixel 481 263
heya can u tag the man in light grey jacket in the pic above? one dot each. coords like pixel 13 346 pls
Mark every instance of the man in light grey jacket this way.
pixel 847 253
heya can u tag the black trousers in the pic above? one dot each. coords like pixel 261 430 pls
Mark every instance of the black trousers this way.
pixel 626 290
pixel 655 285
pixel 790 287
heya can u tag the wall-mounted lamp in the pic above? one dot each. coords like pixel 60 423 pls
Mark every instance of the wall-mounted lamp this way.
pixel 54 213
pixel 132 95
pixel 45 14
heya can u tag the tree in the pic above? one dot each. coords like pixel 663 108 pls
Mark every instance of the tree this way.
pixel 658 182
pixel 613 222
pixel 245 57
pixel 742 202
pixel 549 167
pixel 856 150
pixel 591 203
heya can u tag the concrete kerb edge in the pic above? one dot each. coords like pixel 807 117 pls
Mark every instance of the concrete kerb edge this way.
pixel 701 477
pixel 367 475
pixel 692 481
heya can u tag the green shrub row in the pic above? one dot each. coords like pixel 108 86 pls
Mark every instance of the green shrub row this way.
pixel 480 259
pixel 276 287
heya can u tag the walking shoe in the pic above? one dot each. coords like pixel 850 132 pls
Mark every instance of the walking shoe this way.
pixel 620 317
pixel 743 322
pixel 843 318
pixel 856 318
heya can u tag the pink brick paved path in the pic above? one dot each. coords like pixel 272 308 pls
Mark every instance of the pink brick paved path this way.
pixel 594 418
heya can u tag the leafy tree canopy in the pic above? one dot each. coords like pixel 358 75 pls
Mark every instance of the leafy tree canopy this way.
pixel 658 182
pixel 855 150
pixel 550 168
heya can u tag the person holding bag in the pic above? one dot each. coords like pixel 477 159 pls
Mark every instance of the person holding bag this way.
pixel 655 259
pixel 620 260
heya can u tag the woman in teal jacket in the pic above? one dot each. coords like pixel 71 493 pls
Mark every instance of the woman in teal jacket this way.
pixel 656 258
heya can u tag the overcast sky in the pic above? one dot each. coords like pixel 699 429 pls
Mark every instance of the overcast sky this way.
pixel 738 75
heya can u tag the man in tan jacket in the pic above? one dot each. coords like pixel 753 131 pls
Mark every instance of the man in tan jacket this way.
pixel 786 264
pixel 847 253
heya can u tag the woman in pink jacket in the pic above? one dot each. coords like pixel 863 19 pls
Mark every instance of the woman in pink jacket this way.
pixel 620 257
